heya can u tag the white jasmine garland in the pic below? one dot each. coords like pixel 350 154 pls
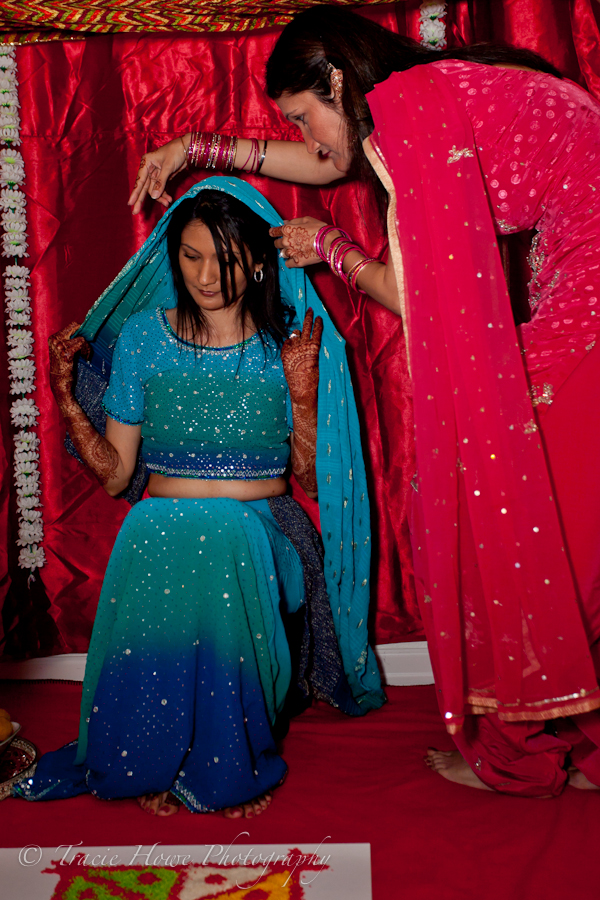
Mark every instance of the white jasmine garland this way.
pixel 22 387
pixel 25 456
pixel 33 530
pixel 20 353
pixel 14 223
pixel 23 411
pixel 24 346
pixel 15 248
pixel 20 380
pixel 9 97
pixel 16 284
pixel 21 383
pixel 32 557
pixel 17 216
pixel 20 374
pixel 13 199
pixel 18 337
pixel 431 28
pixel 28 439
pixel 22 367
pixel 17 271
pixel 18 318
pixel 11 173
pixel 432 8
pixel 25 467
pixel 10 134
pixel 26 502
pixel 28 483
pixel 30 534
pixel 18 304
pixel 31 515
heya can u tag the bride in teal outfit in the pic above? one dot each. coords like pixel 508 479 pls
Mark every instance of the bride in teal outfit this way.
pixel 189 663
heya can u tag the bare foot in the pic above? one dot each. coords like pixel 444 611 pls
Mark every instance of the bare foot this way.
pixel 250 809
pixel 165 804
pixel 451 765
pixel 578 780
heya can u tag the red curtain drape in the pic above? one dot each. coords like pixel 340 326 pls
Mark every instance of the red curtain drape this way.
pixel 89 110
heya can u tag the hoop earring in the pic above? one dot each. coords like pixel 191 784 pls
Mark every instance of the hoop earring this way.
pixel 258 272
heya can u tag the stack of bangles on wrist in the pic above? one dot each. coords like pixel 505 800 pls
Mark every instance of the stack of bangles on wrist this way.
pixel 339 249
pixel 208 150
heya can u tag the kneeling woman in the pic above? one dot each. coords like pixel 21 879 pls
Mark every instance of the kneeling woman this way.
pixel 189 663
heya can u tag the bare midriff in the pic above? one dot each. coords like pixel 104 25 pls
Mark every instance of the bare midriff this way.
pixel 204 489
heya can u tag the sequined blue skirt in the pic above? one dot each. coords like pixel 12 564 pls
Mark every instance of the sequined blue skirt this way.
pixel 188 663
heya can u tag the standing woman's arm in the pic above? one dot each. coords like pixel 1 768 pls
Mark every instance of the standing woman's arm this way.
pixel 286 160
pixel 297 240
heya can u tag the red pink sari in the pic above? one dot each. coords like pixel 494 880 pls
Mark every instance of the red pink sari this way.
pixel 506 526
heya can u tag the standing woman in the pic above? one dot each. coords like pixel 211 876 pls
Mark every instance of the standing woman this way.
pixel 470 144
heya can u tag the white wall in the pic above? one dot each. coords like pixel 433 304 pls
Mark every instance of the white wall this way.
pixel 406 663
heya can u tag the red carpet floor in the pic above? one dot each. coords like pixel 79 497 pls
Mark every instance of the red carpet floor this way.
pixel 350 780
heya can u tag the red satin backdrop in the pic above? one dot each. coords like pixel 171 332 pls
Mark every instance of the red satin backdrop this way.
pixel 89 110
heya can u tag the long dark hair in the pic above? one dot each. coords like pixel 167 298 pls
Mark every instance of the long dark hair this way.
pixel 233 227
pixel 367 54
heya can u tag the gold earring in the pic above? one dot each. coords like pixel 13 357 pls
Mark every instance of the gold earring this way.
pixel 336 79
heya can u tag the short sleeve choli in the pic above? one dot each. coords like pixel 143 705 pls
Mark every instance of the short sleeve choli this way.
pixel 205 412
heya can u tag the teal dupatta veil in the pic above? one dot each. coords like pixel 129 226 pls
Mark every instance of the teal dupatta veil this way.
pixel 146 281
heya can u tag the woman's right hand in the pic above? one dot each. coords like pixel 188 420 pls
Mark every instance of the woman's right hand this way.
pixel 156 167
pixel 62 354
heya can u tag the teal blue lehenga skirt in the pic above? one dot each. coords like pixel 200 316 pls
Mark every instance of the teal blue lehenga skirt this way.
pixel 188 663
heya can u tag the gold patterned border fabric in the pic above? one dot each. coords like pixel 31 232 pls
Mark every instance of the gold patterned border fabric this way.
pixel 29 21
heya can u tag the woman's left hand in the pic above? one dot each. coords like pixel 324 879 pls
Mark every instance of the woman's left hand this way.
pixel 300 360
pixel 296 241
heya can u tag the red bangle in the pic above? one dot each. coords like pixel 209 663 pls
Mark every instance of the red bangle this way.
pixel 353 273
pixel 320 236
pixel 211 151
pixel 338 247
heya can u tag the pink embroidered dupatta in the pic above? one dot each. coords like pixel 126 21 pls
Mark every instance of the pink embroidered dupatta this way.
pixel 519 646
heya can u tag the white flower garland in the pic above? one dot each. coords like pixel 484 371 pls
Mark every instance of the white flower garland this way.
pixel 431 28
pixel 23 412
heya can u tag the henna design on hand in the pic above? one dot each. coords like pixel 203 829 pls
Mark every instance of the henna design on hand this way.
pixel 63 350
pixel 300 360
pixel 296 241
pixel 139 174
pixel 300 242
pixel 98 454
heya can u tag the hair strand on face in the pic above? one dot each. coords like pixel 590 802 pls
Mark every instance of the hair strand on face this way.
pixel 236 231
